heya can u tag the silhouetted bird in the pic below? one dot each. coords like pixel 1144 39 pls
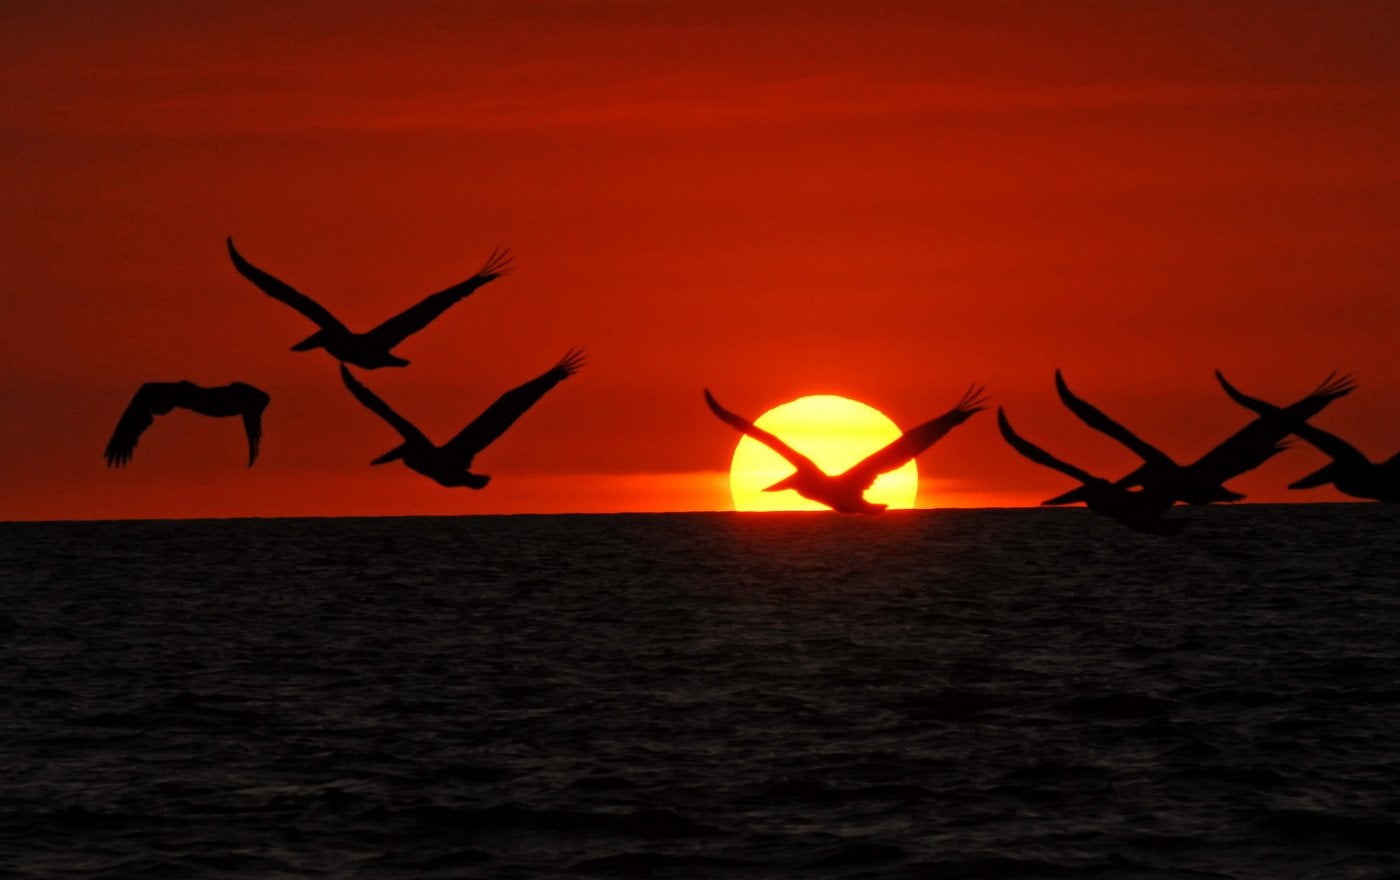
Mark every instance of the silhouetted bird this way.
pixel 1201 481
pixel 448 464
pixel 371 349
pixel 158 398
pixel 1350 471
pixel 1140 510
pixel 845 492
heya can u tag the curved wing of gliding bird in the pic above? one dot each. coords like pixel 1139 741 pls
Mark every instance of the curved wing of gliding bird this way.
pixel 158 398
pixel 1262 438
pixel 285 293
pixel 499 416
pixel 1095 418
pixel 744 426
pixel 415 318
pixel 1038 455
pixel 371 401
pixel 917 439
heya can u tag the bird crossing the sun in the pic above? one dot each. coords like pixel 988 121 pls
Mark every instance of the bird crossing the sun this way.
pixel 845 492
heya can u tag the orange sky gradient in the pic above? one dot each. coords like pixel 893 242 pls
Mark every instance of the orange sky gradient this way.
pixel 882 201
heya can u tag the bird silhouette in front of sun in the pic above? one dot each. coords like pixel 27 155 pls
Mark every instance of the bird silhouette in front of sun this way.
pixel 373 348
pixel 450 464
pixel 158 398
pixel 845 492
pixel 1202 481
pixel 1350 470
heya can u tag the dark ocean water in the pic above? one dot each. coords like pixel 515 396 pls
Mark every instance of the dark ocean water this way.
pixel 1021 693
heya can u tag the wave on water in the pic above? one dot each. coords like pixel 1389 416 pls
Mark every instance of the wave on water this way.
pixel 1018 693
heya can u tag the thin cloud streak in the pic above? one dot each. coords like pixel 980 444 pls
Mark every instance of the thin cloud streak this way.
pixel 273 101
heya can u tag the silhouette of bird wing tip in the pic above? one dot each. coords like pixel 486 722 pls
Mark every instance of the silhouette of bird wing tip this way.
pixel 573 360
pixel 499 263
pixel 1061 386
pixel 975 399
pixel 1336 386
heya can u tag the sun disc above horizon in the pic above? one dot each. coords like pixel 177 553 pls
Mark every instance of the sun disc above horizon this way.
pixel 836 433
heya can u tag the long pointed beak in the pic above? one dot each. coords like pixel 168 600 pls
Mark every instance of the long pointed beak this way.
pixel 1320 477
pixel 785 483
pixel 1070 497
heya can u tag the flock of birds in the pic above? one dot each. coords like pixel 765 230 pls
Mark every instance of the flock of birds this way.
pixel 448 464
pixel 1137 500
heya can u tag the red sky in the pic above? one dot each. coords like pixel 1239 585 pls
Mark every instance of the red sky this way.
pixel 883 201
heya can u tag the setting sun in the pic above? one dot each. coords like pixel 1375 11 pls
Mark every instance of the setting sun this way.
pixel 835 432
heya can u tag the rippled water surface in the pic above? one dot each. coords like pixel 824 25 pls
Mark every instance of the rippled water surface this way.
pixel 1025 693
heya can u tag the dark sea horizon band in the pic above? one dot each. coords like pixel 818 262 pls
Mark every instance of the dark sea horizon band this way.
pixel 1019 693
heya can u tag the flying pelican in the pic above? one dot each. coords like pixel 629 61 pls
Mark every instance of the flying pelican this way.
pixel 158 398
pixel 373 348
pixel 845 492
pixel 1140 510
pixel 1350 471
pixel 448 464
pixel 1201 481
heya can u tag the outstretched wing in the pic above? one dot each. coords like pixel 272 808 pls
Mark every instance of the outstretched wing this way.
pixel 1036 454
pixel 284 292
pixel 1260 407
pixel 744 426
pixel 1259 440
pixel 410 321
pixel 1094 418
pixel 916 440
pixel 381 409
pixel 1334 446
pixel 499 416
pixel 150 400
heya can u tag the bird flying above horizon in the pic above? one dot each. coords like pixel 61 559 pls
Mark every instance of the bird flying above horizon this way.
pixel 1140 510
pixel 373 348
pixel 1350 471
pixel 1202 481
pixel 449 464
pixel 845 492
pixel 158 398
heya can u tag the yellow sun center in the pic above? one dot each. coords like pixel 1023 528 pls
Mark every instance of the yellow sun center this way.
pixel 835 433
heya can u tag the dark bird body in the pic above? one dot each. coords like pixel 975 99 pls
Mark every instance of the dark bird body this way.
pixel 373 348
pixel 1350 471
pixel 1202 481
pixel 845 492
pixel 1141 509
pixel 158 398
pixel 449 464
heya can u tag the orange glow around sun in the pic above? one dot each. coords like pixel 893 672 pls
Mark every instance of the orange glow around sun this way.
pixel 835 432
